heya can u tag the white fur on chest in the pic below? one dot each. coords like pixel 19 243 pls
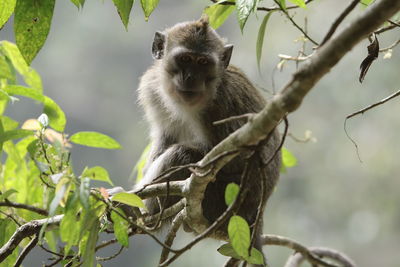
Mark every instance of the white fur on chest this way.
pixel 179 121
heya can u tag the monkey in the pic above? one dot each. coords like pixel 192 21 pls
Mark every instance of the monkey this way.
pixel 190 85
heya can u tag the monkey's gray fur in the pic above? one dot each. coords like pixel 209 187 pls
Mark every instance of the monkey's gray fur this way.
pixel 190 86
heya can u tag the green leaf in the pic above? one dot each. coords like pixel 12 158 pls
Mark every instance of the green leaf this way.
pixel 244 8
pixel 366 2
pixel 24 91
pixel 78 3
pixel 231 193
pixel 94 139
pixel 88 242
pixel 7 194
pixel 14 134
pixel 97 173
pixel 8 123
pixel 260 38
pixel 282 3
pixel 256 257
pixel 227 250
pixel 148 6
pixel 124 9
pixel 84 192
pixel 299 3
pixel 32 22
pixel 31 77
pixel 141 163
pixel 121 228
pixel 129 199
pixel 70 226
pixel 6 9
pixel 7 229
pixel 22 146
pixel 217 14
pixel 56 115
pixel 239 235
pixel 288 159
pixel 61 191
pixel 5 68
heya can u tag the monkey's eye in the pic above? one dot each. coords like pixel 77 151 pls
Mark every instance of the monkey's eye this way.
pixel 185 58
pixel 202 61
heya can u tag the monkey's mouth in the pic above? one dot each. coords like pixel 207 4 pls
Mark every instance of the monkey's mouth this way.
pixel 190 96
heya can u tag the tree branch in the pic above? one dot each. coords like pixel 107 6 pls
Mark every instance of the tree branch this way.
pixel 8 203
pixel 381 102
pixel 176 224
pixel 286 101
pixel 296 246
pixel 295 24
pixel 28 229
pixel 297 259
pixel 339 20
pixel 26 250
pixel 267 9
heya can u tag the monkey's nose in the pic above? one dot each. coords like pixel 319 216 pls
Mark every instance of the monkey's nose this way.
pixel 189 81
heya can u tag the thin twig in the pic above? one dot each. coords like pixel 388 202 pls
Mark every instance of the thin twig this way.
pixel 234 118
pixel 136 226
pixel 52 252
pixel 169 212
pixel 106 243
pixel 390 46
pixel 44 182
pixel 112 256
pixel 296 259
pixel 295 24
pixel 167 173
pixel 393 25
pixel 11 217
pixel 339 20
pixel 273 8
pixel 54 263
pixel 383 101
pixel 362 111
pixel 285 131
pixel 260 212
pixel 283 241
pixel 8 203
pixel 26 250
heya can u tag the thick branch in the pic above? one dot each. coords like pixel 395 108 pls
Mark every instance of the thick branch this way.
pixel 288 100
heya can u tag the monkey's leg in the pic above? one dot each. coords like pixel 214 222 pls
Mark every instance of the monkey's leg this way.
pixel 175 155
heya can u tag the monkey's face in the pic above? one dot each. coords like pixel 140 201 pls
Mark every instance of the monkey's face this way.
pixel 192 75
pixel 194 58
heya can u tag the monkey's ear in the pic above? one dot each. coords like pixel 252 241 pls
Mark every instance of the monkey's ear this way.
pixel 226 57
pixel 158 46
pixel 204 18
